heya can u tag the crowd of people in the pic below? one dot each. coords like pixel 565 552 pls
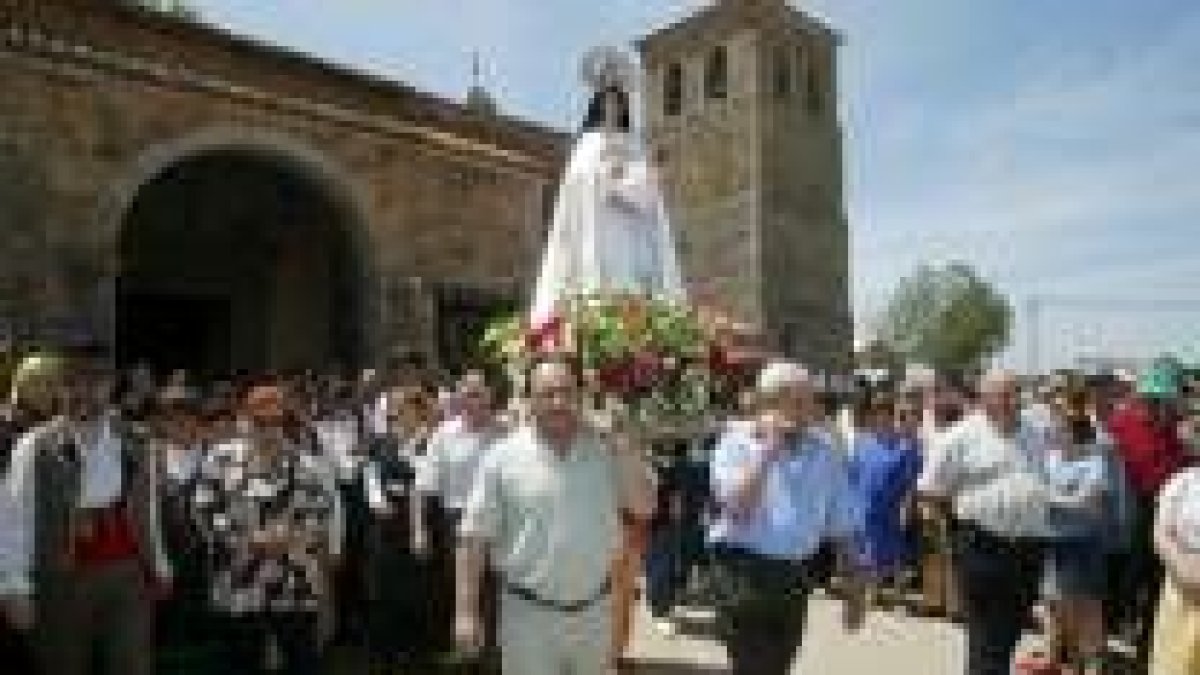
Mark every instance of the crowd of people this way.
pixel 171 525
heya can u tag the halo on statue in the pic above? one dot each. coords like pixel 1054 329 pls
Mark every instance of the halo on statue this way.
pixel 609 66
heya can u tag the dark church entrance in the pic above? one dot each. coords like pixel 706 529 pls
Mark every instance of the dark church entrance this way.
pixel 237 261
pixel 174 330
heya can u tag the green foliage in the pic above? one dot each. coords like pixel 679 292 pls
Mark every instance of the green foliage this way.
pixel 660 359
pixel 946 317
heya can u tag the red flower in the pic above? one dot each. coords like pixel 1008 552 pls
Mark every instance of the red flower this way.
pixel 616 376
pixel 547 337
pixel 646 369
pixel 718 359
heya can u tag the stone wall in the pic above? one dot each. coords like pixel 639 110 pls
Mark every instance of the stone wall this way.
pixel 98 100
pixel 712 172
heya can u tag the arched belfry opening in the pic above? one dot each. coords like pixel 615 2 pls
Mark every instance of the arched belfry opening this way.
pixel 238 259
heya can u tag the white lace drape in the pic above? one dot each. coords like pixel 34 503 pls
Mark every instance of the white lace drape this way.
pixel 610 230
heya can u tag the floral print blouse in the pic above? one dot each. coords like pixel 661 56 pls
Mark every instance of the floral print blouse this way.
pixel 242 497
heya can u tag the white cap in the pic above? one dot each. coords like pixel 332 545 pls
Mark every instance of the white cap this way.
pixel 777 375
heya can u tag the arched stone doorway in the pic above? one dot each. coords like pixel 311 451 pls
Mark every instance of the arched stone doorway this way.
pixel 237 259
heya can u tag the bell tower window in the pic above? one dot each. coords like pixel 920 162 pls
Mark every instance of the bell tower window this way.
pixel 716 74
pixel 782 74
pixel 814 84
pixel 673 90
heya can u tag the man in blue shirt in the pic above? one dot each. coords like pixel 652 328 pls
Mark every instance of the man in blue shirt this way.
pixel 783 493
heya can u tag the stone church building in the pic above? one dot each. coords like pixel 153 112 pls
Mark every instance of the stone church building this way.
pixel 196 198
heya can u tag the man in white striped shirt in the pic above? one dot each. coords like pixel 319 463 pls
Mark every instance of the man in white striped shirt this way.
pixel 988 474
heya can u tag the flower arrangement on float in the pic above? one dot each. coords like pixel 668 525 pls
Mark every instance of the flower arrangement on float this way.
pixel 658 360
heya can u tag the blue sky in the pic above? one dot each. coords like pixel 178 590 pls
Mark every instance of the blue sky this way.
pixel 1054 144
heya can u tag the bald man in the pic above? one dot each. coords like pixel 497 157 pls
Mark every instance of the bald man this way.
pixel 546 509
pixel 989 476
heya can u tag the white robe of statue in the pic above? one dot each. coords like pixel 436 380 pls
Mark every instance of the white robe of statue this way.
pixel 610 231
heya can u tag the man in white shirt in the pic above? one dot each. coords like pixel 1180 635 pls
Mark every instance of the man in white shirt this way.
pixel 456 450
pixel 458 446
pixel 989 475
pixel 546 510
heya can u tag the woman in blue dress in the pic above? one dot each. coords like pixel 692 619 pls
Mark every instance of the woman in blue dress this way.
pixel 885 462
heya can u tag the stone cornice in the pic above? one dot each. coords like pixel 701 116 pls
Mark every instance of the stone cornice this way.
pixel 67 31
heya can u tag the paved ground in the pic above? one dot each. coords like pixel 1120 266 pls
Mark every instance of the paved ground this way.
pixel 890 643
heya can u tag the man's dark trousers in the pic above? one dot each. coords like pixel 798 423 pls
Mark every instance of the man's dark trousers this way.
pixel 999 580
pixel 762 606
pixel 16 651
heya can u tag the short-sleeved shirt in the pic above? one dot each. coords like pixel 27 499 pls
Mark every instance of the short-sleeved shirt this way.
pixel 995 481
pixel 452 460
pixel 1179 507
pixel 552 523
pixel 933 442
pixel 806 500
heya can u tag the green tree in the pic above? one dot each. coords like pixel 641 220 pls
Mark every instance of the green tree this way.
pixel 946 317
pixel 879 356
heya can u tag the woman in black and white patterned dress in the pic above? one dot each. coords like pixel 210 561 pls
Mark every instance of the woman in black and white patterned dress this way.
pixel 267 505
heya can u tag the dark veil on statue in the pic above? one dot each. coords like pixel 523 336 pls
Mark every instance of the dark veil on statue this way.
pixel 611 103
pixel 611 74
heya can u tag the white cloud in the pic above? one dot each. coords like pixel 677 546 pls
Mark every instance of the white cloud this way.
pixel 1078 180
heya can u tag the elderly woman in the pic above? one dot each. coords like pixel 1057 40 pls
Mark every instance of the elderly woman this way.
pixel 32 401
pixel 884 468
pixel 1177 539
pixel 267 508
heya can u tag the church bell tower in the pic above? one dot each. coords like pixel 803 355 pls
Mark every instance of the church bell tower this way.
pixel 742 120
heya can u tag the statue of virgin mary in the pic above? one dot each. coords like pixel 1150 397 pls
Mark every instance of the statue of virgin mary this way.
pixel 610 231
